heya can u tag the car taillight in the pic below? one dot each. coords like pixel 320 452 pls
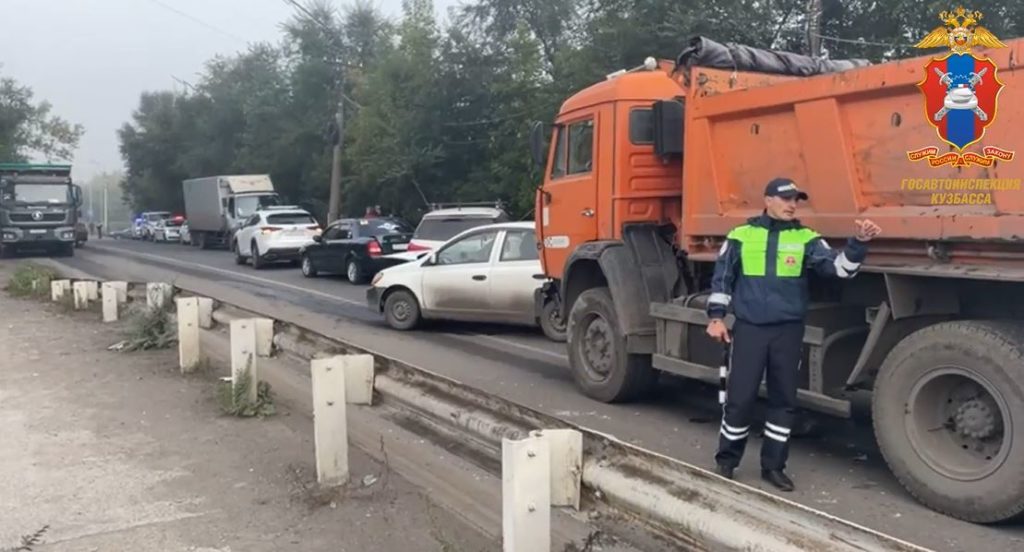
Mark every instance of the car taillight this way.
pixel 269 229
pixel 417 247
pixel 373 248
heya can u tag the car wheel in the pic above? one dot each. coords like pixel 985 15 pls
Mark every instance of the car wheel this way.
pixel 308 270
pixel 355 272
pixel 551 322
pixel 239 259
pixel 401 310
pixel 257 261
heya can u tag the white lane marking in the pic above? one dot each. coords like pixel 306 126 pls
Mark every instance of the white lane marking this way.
pixel 503 341
pixel 233 273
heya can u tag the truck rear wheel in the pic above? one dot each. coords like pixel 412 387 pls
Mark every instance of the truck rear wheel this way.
pixel 948 409
pixel 597 351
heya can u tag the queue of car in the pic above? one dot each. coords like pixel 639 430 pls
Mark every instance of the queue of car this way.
pixel 460 263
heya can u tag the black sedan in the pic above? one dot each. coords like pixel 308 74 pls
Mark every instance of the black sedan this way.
pixel 356 248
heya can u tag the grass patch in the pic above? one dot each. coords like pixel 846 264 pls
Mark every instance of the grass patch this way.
pixel 30 280
pixel 148 328
pixel 234 397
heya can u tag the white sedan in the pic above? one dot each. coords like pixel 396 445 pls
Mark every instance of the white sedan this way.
pixel 274 234
pixel 485 274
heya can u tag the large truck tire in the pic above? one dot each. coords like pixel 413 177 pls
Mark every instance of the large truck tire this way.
pixel 597 351
pixel 948 409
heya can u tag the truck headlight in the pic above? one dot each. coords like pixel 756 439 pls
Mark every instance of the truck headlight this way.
pixel 67 235
pixel 9 236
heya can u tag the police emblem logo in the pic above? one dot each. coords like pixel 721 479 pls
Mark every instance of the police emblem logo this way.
pixel 961 91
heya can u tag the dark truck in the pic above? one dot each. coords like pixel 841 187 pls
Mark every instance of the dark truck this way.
pixel 38 208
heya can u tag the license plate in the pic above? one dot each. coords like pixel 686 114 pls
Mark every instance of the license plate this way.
pixel 40 231
pixel 400 246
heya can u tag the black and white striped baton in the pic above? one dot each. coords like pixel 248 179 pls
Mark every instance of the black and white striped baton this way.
pixel 723 374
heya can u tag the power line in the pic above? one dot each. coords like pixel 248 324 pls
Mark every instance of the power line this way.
pixel 195 19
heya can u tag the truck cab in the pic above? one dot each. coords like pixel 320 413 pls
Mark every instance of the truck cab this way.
pixel 38 208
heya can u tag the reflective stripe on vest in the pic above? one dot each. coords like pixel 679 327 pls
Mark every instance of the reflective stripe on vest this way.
pixel 754 250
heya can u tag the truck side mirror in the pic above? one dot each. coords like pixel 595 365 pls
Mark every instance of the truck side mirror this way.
pixel 668 128
pixel 537 150
pixel 76 195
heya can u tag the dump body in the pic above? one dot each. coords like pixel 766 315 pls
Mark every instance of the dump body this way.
pixel 38 208
pixel 845 137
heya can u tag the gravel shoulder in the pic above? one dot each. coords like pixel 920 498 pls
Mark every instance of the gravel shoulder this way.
pixel 115 451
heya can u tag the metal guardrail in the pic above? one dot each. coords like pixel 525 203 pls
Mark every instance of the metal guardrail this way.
pixel 689 507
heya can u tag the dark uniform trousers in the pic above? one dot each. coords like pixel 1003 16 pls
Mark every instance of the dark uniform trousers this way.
pixel 779 348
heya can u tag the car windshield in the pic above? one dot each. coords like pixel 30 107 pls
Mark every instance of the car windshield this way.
pixel 36 193
pixel 290 218
pixel 383 227
pixel 247 205
pixel 443 229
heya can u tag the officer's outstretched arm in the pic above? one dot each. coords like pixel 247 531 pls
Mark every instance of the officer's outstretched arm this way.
pixel 723 279
pixel 841 264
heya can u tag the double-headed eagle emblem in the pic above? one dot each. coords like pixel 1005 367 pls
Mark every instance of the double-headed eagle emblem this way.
pixel 960 31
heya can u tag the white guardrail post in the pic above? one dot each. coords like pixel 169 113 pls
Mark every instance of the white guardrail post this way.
pixel 59 289
pixel 566 446
pixel 92 290
pixel 158 294
pixel 337 381
pixel 114 294
pixel 526 494
pixel 205 312
pixel 81 295
pixel 188 334
pixel 244 355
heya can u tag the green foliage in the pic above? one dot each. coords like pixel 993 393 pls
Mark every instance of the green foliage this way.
pixel 148 328
pixel 30 280
pixel 234 397
pixel 28 128
pixel 438 113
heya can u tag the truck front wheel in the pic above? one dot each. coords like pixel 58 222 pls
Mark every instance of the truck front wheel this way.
pixel 597 351
pixel 948 409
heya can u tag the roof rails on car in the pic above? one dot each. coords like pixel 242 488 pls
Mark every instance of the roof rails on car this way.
pixel 457 205
pixel 283 207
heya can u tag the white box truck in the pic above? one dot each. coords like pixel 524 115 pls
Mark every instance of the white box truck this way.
pixel 216 206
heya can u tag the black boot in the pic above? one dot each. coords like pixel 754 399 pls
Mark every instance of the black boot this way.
pixel 725 471
pixel 778 478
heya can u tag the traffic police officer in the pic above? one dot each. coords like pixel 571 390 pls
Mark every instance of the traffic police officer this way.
pixel 761 273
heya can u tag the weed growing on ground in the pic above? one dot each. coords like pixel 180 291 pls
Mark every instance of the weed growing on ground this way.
pixel 148 328
pixel 234 397
pixel 30 280
pixel 28 541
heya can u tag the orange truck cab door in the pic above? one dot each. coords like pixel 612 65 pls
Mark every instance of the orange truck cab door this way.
pixel 568 200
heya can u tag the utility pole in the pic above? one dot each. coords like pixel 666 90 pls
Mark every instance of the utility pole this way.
pixel 334 201
pixel 106 222
pixel 814 28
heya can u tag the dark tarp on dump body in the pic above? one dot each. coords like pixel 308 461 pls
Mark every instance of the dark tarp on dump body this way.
pixel 704 52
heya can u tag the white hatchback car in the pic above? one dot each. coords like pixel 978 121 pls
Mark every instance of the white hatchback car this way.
pixel 274 234
pixel 485 274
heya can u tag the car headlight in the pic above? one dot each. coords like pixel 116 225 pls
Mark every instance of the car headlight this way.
pixel 377 278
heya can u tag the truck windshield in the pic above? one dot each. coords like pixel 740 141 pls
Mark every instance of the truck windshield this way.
pixel 247 205
pixel 26 194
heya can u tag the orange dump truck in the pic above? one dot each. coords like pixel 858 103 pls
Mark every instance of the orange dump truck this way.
pixel 648 170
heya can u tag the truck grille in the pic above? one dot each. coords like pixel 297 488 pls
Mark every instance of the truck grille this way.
pixel 27 217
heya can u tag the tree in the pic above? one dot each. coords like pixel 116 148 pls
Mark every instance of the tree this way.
pixel 28 128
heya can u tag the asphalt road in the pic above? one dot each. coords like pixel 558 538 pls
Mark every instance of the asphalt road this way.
pixel 838 469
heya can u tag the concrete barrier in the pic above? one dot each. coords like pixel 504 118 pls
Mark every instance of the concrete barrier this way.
pixel 188 334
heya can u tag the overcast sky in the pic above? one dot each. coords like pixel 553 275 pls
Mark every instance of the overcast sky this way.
pixel 92 58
